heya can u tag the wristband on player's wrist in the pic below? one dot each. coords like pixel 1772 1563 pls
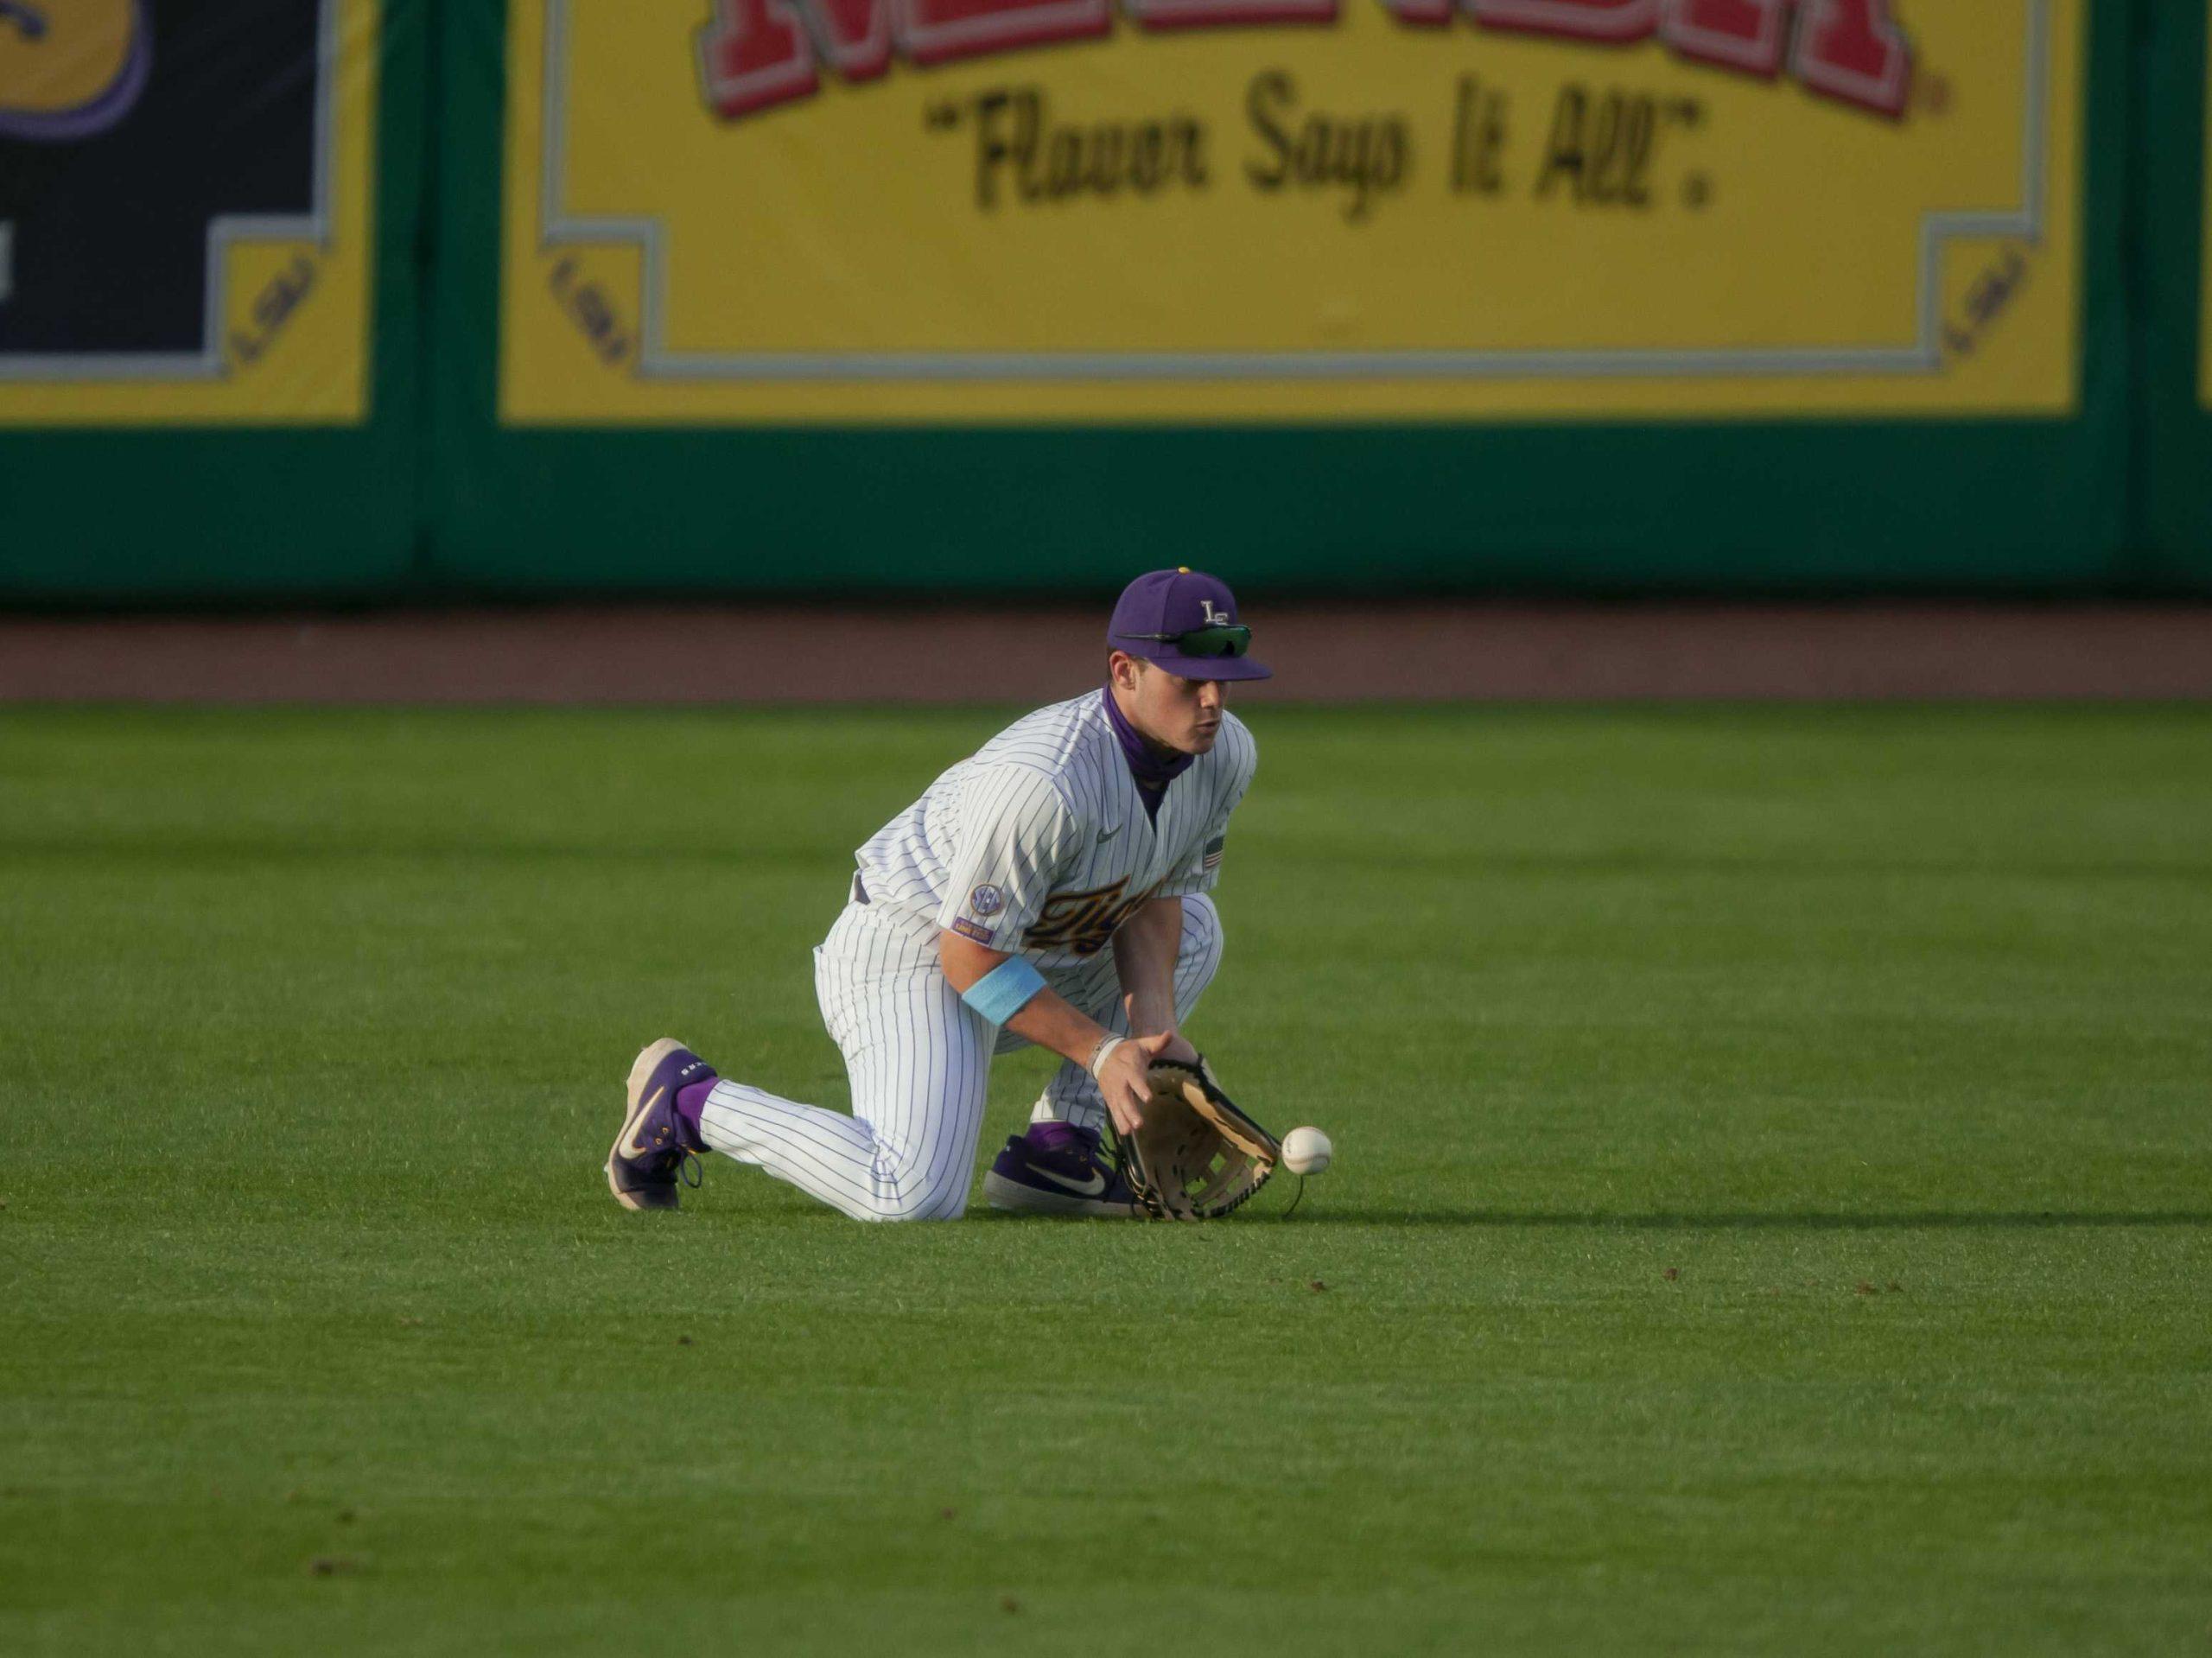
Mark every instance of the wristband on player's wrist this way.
pixel 1105 1051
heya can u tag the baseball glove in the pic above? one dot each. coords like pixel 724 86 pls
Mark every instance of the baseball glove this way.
pixel 1197 1156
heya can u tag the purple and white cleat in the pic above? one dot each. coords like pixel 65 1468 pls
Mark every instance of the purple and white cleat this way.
pixel 652 1150
pixel 1058 1169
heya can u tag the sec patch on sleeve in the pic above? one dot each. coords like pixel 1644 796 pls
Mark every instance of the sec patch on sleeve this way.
pixel 986 899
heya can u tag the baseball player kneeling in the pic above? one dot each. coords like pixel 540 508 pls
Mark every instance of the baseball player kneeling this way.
pixel 1051 888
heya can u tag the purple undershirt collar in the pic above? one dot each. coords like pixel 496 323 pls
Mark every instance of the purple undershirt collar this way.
pixel 1152 767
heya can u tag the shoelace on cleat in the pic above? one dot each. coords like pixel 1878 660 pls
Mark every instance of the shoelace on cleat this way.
pixel 689 1172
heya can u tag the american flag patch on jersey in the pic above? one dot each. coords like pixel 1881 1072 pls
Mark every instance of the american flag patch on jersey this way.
pixel 1211 859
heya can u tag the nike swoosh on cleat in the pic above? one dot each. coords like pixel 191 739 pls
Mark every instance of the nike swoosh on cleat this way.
pixel 1089 1188
pixel 636 1145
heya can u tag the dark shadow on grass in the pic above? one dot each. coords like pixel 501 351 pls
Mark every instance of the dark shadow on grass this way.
pixel 203 854
pixel 1808 866
pixel 223 852
pixel 1319 1213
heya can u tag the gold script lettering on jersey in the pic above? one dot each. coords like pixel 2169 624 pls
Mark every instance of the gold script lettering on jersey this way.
pixel 1083 922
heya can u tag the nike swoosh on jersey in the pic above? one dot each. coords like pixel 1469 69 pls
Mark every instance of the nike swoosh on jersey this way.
pixel 1105 836
pixel 1089 1188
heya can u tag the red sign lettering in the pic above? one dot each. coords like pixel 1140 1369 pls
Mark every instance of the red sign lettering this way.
pixel 755 54
pixel 1587 20
pixel 752 54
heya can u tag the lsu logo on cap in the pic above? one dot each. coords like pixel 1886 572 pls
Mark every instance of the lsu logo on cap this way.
pixel 70 68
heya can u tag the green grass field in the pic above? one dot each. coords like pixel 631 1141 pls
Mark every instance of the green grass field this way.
pixel 1773 1211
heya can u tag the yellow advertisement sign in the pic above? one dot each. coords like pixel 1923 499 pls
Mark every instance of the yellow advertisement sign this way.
pixel 956 210
pixel 185 210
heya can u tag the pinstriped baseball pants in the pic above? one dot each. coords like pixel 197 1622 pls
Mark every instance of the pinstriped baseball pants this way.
pixel 920 1060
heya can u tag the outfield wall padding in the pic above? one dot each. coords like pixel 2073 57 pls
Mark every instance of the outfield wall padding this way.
pixel 208 352
pixel 2171 488
pixel 575 299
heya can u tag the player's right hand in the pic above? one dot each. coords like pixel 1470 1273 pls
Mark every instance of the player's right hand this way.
pixel 1123 1079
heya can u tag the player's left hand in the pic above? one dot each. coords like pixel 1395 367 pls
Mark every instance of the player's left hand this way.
pixel 1196 1155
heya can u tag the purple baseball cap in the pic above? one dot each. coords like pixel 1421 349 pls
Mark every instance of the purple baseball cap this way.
pixel 1160 607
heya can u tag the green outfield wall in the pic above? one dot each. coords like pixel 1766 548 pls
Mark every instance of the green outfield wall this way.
pixel 563 297
pixel 2171 218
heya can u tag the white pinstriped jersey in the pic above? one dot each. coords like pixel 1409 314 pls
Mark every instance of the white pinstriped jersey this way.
pixel 1039 843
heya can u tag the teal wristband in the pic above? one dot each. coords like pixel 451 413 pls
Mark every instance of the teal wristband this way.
pixel 1005 990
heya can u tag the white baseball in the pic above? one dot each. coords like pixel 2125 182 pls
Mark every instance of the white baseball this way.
pixel 1306 1151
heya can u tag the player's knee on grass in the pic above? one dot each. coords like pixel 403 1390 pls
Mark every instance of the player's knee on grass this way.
pixel 918 1186
pixel 930 1203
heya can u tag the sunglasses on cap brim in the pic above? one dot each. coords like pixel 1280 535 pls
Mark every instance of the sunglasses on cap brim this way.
pixel 1233 639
